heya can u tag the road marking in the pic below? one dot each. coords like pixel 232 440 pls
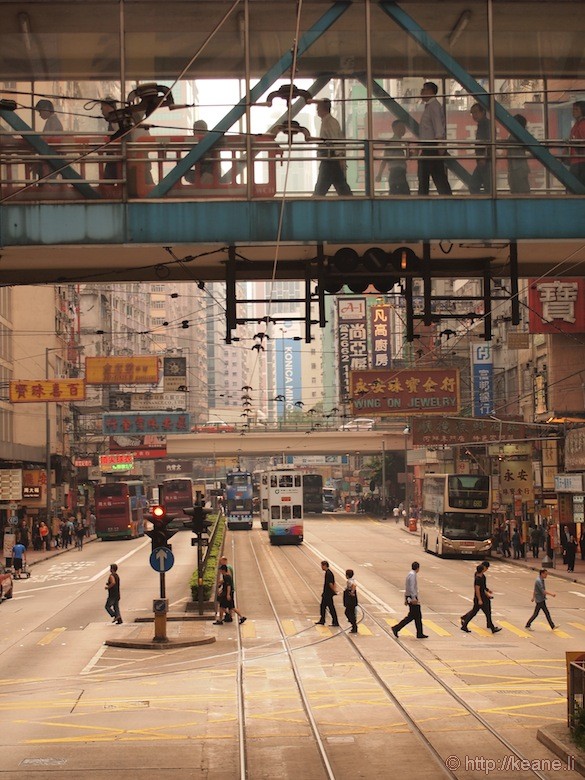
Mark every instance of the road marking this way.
pixel 364 630
pixel 324 630
pixel 464 597
pixel 479 631
pixel 561 633
pixel 406 631
pixel 436 628
pixel 580 626
pixel 119 561
pixel 46 640
pixel 289 628
pixel 513 629
pixel 93 661
pixel 248 630
pixel 576 593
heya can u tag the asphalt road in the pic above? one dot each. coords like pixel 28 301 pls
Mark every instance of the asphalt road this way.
pixel 79 709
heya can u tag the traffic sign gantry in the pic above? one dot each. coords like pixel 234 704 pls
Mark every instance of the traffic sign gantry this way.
pixel 162 559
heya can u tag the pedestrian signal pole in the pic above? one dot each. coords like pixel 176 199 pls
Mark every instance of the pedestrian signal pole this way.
pixel 199 525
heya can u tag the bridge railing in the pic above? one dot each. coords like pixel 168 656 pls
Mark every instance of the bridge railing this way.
pixel 248 168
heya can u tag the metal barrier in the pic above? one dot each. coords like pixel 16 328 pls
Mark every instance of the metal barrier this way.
pixel 575 691
pixel 242 167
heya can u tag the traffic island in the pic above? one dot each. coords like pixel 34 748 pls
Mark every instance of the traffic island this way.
pixel 180 633
pixel 558 739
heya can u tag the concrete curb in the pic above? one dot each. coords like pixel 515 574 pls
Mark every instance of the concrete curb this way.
pixel 558 740
pixel 569 576
pixel 169 644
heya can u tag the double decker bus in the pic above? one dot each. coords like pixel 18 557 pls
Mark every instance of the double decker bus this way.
pixel 175 495
pixel 284 501
pixel 313 493
pixel 456 517
pixel 119 510
pixel 239 494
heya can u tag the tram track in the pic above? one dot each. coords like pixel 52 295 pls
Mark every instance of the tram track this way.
pixel 495 733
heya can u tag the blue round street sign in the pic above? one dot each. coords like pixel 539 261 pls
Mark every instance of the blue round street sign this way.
pixel 162 559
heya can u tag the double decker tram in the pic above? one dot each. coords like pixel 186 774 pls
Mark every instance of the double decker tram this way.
pixel 119 510
pixel 284 500
pixel 456 518
pixel 239 493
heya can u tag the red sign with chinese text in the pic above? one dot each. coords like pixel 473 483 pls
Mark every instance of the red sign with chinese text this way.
pixel 405 392
pixel 556 305
pixel 34 391
pixel 121 457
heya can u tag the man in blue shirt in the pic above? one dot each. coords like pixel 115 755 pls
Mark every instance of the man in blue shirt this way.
pixel 539 598
pixel 18 557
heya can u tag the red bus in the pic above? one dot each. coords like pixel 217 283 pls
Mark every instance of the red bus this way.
pixel 119 510
pixel 175 494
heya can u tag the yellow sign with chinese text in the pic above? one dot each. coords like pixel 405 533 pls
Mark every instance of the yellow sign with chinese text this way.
pixel 34 391
pixel 405 392
pixel 141 370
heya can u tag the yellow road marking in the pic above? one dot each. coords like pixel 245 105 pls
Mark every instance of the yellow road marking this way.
pixel 289 627
pixel 436 628
pixel 46 640
pixel 248 630
pixel 513 629
pixel 364 630
pixel 392 622
pixel 323 630
pixel 478 630
pixel 580 626
pixel 562 634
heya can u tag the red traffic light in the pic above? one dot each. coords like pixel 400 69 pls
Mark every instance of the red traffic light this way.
pixel 158 511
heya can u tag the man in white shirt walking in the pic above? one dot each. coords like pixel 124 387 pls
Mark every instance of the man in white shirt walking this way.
pixel 412 601
pixel 331 167
pixel 432 128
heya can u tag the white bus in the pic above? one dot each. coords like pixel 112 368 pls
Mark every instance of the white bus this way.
pixel 456 517
pixel 281 504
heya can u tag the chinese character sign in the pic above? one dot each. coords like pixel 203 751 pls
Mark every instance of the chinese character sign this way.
pixel 516 481
pixel 33 391
pixel 160 423
pixel 405 392
pixel 380 336
pixel 557 305
pixel 447 430
pixel 352 339
pixel 121 370
pixel 483 379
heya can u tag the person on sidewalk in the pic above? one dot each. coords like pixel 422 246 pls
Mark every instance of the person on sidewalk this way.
pixel 482 596
pixel 506 543
pixel 331 165
pixel 79 534
pixel 411 599
pixel 516 544
pixel 350 600
pixel 539 599
pixel 45 535
pixel 113 600
pixel 329 592
pixel 226 598
pixel 571 551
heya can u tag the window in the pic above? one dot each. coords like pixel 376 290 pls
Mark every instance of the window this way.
pixel 157 288
pixel 158 304
pixel 275 513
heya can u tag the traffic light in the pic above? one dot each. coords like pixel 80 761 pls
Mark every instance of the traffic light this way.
pixel 198 514
pixel 376 268
pixel 160 533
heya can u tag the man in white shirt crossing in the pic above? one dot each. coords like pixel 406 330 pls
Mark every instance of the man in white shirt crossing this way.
pixel 412 601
